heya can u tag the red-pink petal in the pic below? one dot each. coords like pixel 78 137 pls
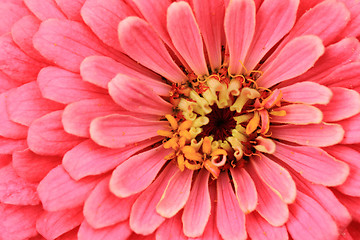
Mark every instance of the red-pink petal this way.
pixel 351 203
pixel 6 83
pixel 346 154
pixel 53 224
pixel 210 18
pixel 25 104
pixel 307 92
pixel 15 190
pixel 298 114
pixel 83 160
pixel 176 194
pixel 276 177
pixel 245 189
pixel 66 87
pixel 46 136
pixel 45 9
pixel 318 135
pixel 286 64
pixel 18 222
pixel 125 181
pixel 185 35
pixel 198 207
pixel 33 167
pixel 103 18
pixel 117 231
pixel 58 191
pixel 143 217
pixel 102 208
pixel 270 28
pixel 134 95
pixel 71 8
pixel 345 103
pixel 10 12
pixel 116 131
pixel 171 229
pixel 67 43
pixel 8 145
pixel 314 164
pixel 270 206
pixel 142 44
pixel 239 26
pixel 230 220
pixel 308 220
pixel 344 76
pixel 352 130
pixel 258 228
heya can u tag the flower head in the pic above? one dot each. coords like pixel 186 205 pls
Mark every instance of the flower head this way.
pixel 144 119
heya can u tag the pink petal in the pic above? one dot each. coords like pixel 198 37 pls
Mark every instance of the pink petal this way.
pixel 270 28
pixel 352 130
pixel 86 232
pixel 6 83
pixel 275 177
pixel 45 9
pixel 239 26
pixel 345 103
pixel 143 217
pixel 15 190
pixel 308 220
pixel 352 28
pixel 53 224
pixel 229 217
pixel 259 228
pixel 67 43
pixel 176 194
pixel 116 131
pixel 351 203
pixel 210 18
pixel 18 222
pixel 71 8
pixel 22 33
pixel 307 92
pixel 134 95
pixel 71 235
pixel 125 181
pixel 8 145
pixel 102 208
pixel 66 87
pixel 77 116
pixel 346 154
pixel 15 63
pixel 11 12
pixel 171 229
pixel 47 137
pixel 343 76
pixel 298 114
pixel 185 35
pixel 100 70
pixel 245 189
pixel 326 199
pixel 286 64
pixel 83 160
pixel 142 44
pixel 8 128
pixel 318 135
pixel 103 18
pixel 5 160
pixel 198 207
pixel 58 191
pixel 270 205
pixel 314 164
pixel 25 104
pixel 33 167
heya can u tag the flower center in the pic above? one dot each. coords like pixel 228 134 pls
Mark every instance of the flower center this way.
pixel 219 121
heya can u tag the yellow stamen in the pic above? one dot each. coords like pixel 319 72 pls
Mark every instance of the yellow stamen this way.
pixel 206 147
pixel 280 113
pixel 165 133
pixel 253 123
pixel 170 156
pixel 185 134
pixel 171 143
pixel 192 166
pixel 185 125
pixel 181 162
pixel 218 152
pixel 215 171
pixel 173 123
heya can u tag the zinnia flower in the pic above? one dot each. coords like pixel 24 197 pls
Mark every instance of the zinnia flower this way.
pixel 198 119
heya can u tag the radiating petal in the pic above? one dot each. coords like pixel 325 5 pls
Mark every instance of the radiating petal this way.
pixel 319 135
pixel 343 76
pixel 176 194
pixel 230 220
pixel 352 130
pixel 71 8
pixel 351 203
pixel 239 26
pixel 298 114
pixel 10 12
pixel 45 9
pixel 314 164
pixel 198 207
pixel 142 44
pixel 171 229
pixel 86 232
pixel 8 145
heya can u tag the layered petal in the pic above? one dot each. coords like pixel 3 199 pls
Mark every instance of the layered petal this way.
pixel 352 130
pixel 44 10
pixel 86 232
pixel 258 228
pixel 171 229
pixel 298 114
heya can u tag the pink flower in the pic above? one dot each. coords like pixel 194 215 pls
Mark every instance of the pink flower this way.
pixel 159 119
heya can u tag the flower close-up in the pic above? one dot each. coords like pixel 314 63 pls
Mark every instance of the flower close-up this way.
pixel 172 120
